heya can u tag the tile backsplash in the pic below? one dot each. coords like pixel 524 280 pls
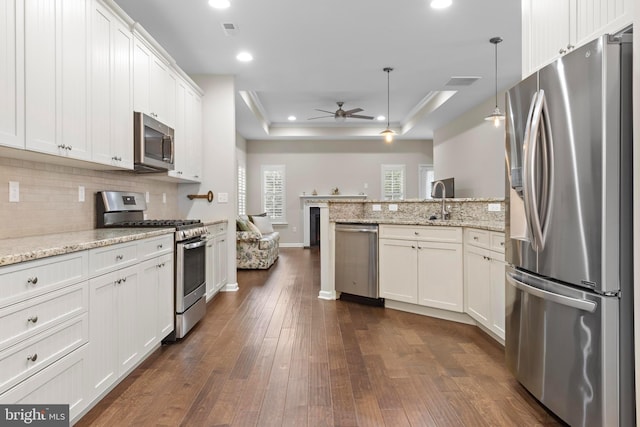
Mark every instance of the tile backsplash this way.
pixel 49 197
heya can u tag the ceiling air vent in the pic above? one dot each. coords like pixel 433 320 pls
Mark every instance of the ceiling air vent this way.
pixel 229 28
pixel 462 81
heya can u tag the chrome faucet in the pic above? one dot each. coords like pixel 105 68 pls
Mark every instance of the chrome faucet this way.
pixel 443 212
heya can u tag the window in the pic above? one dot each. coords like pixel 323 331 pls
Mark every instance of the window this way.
pixel 273 192
pixel 242 190
pixel 427 176
pixel 393 182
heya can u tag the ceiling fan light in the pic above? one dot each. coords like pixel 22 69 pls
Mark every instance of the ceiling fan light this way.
pixel 381 118
pixel 244 57
pixel 388 135
pixel 340 119
pixel 219 4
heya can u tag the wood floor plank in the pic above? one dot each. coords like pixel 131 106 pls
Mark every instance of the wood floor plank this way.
pixel 273 354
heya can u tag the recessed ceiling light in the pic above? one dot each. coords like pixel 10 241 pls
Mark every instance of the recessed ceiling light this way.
pixel 291 118
pixel 440 4
pixel 219 4
pixel 244 57
pixel 381 118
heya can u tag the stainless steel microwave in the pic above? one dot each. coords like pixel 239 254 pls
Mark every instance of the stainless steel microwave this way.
pixel 153 144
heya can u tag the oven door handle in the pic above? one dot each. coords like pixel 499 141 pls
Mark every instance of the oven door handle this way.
pixel 195 244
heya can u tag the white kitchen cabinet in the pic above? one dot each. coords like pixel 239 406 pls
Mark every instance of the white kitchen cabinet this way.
pixel 216 259
pixel 188 134
pixel 57 77
pixel 484 274
pixel 422 265
pixel 111 89
pixel 156 301
pixel 151 83
pixel 114 327
pixel 12 73
pixel 551 28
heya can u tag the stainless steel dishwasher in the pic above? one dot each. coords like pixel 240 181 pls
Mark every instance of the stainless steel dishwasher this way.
pixel 356 259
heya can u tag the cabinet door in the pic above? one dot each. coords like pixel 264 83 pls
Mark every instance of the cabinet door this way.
pixel 211 268
pixel 195 165
pixel 477 284
pixel 103 334
pixel 12 74
pixel 171 83
pixel 398 270
pixel 159 75
pixel 221 262
pixel 546 31
pixel 56 77
pixel 181 149
pixel 165 289
pixel 129 340
pixel 440 275
pixel 596 17
pixel 142 58
pixel 122 96
pixel 498 295
pixel 148 304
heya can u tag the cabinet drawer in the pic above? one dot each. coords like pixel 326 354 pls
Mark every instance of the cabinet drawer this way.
pixel 477 237
pixel 111 258
pixel 497 241
pixel 60 383
pixel 151 248
pixel 426 233
pixel 19 321
pixel 32 278
pixel 30 356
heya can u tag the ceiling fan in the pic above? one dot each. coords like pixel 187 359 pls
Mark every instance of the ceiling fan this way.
pixel 341 115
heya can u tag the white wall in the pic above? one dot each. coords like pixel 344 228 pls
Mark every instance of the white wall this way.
pixel 471 150
pixel 218 161
pixel 322 165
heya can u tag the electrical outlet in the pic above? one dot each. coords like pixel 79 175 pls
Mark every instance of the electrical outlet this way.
pixel 14 191
pixel 146 197
pixel 80 193
pixel 223 197
pixel 493 207
pixel 376 208
pixel 393 207
pixel 164 198
pixel 294 229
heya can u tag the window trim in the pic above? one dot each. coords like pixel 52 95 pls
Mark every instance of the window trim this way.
pixel 423 191
pixel 281 169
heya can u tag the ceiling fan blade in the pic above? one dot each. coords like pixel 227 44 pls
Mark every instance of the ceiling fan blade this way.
pixel 325 111
pixel 355 110
pixel 320 117
pixel 358 116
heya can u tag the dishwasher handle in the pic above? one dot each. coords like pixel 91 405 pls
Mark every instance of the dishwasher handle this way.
pixel 357 230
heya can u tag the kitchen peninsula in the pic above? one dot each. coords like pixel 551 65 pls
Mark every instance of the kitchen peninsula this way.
pixel 430 266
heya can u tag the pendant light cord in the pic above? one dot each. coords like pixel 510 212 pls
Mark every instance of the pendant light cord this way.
pixel 388 70
pixel 496 68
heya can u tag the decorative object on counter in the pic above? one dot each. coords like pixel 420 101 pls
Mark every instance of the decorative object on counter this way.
pixel 496 116
pixel 314 193
pixel 335 191
pixel 208 196
pixel 387 133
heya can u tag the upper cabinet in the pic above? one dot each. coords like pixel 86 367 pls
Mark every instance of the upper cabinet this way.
pixel 57 77
pixel 188 134
pixel 111 89
pixel 12 73
pixel 551 28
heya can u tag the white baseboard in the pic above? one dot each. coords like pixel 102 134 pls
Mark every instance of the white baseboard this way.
pixel 429 311
pixel 328 295
pixel 230 287
pixel 291 245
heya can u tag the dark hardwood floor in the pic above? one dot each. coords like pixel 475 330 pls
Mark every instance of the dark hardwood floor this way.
pixel 273 354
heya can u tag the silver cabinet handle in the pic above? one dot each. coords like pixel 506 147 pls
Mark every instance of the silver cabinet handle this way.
pixel 33 319
pixel 475 238
pixel 416 233
pixel 501 243
pixel 33 280
pixel 160 246
pixel 124 279
pixel 117 282
pixel 117 158
pixel 62 146
pixel 69 147
pixel 32 357
pixel 413 247
pixel 119 257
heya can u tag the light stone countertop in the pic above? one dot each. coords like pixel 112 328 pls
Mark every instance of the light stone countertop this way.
pixel 447 200
pixel 23 249
pixel 214 222
pixel 483 225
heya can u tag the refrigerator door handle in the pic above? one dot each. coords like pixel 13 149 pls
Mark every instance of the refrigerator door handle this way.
pixel 580 304
pixel 526 173
pixel 548 170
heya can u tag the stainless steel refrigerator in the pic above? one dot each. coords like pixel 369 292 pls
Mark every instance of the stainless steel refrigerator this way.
pixel 569 291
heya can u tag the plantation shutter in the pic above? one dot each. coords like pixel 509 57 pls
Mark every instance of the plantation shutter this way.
pixel 393 182
pixel 273 186
pixel 242 190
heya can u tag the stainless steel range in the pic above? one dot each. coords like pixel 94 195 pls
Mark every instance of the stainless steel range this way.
pixel 126 209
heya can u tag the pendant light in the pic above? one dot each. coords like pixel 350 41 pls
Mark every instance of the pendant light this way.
pixel 496 117
pixel 387 133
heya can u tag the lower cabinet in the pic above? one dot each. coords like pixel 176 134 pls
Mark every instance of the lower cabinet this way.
pixel 156 300
pixel 422 265
pixel 216 259
pixel 484 277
